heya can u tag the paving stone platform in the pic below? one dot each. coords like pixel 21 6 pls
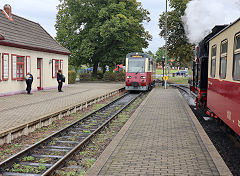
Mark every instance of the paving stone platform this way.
pixel 20 109
pixel 163 137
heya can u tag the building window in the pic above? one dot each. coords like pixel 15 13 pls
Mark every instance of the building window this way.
pixel 14 67
pixel 28 64
pixel 236 58
pixel 55 67
pixel 213 61
pixel 5 66
pixel 223 60
pixel 61 65
pixel 20 67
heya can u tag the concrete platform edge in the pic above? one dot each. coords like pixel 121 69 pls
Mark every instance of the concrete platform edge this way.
pixel 217 159
pixel 98 165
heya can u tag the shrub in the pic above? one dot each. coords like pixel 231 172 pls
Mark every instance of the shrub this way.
pixel 71 77
pixel 108 76
pixel 116 76
pixel 120 76
pixel 100 75
pixel 85 77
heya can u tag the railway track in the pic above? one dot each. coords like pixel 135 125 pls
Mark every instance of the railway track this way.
pixel 44 157
pixel 227 143
pixel 182 87
pixel 186 93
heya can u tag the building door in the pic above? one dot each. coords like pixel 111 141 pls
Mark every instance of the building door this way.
pixel 39 73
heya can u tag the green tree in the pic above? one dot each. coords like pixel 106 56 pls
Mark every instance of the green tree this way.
pixel 101 32
pixel 159 54
pixel 177 43
pixel 150 53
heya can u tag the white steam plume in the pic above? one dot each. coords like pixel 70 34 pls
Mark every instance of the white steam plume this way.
pixel 202 15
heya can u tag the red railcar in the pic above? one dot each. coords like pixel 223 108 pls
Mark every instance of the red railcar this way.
pixel 216 75
pixel 140 72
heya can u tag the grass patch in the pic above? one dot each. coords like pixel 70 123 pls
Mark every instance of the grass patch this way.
pixel 98 106
pixel 160 71
pixel 28 158
pixel 27 169
pixel 178 80
pixel 44 160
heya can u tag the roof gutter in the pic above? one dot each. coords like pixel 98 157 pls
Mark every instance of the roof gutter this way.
pixel 32 48
pixel 231 24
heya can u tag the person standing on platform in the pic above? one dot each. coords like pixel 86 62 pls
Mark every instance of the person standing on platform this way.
pixel 29 80
pixel 60 80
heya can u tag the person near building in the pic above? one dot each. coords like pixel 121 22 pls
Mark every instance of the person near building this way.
pixel 29 80
pixel 60 80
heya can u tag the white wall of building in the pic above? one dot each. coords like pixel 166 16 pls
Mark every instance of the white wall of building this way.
pixel 15 86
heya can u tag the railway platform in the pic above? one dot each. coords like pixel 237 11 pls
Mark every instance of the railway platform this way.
pixel 22 113
pixel 162 137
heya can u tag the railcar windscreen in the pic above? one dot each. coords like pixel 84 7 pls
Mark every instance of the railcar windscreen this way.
pixel 136 65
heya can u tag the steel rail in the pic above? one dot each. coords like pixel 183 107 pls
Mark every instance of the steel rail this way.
pixel 66 157
pixel 13 159
pixel 182 87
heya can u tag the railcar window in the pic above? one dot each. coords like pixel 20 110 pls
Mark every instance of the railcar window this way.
pixel 236 58
pixel 214 50
pixel 236 67
pixel 149 65
pixel 237 42
pixel 223 67
pixel 224 47
pixel 223 60
pixel 213 61
pixel 136 65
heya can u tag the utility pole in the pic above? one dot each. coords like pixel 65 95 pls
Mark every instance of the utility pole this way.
pixel 165 85
pixel 163 60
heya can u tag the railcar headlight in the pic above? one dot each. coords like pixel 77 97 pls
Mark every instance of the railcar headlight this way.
pixel 129 77
pixel 143 77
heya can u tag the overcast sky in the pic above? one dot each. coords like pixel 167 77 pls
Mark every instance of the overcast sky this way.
pixel 44 12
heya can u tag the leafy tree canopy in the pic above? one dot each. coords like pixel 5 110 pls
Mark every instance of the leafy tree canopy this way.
pixel 101 32
pixel 150 53
pixel 178 46
pixel 159 54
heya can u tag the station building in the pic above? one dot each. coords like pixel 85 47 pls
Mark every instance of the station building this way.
pixel 26 47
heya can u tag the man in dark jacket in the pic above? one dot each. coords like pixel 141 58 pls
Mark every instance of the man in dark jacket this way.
pixel 29 80
pixel 60 80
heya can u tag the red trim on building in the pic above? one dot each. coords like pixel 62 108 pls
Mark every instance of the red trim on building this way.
pixel 7 54
pixel 53 74
pixel 56 67
pixel 19 78
pixel 39 67
pixel 0 69
pixel 32 48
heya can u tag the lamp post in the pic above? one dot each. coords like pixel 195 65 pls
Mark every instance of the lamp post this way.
pixel 163 60
pixel 165 86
